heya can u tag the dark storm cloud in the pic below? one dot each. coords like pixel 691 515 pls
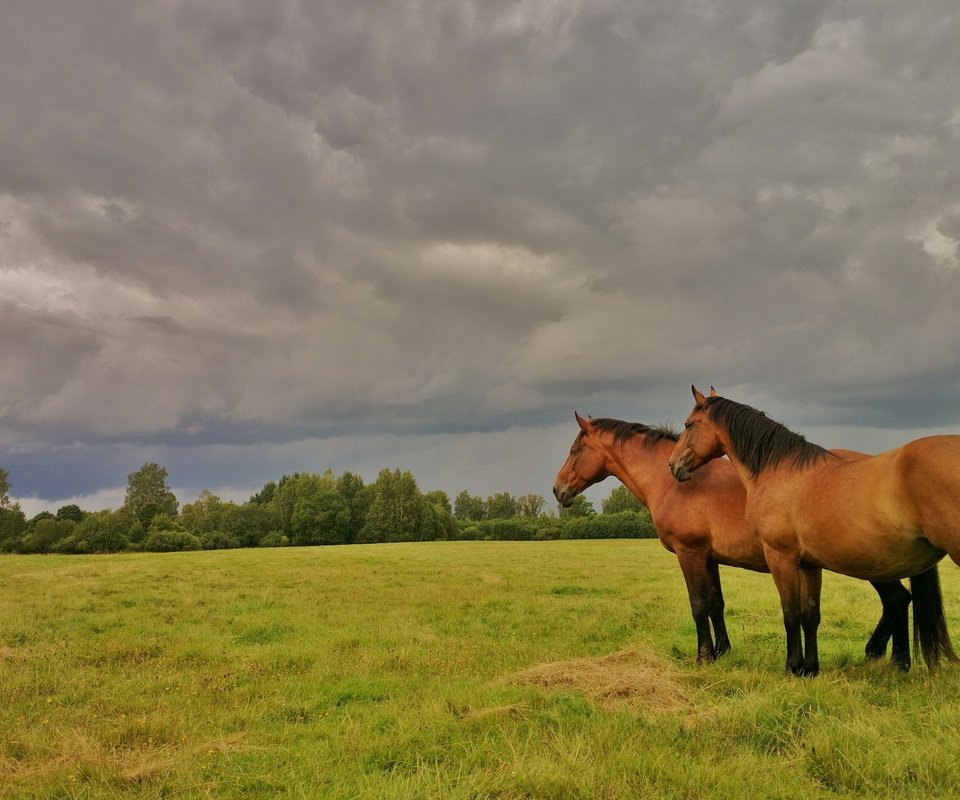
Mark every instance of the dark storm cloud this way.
pixel 249 225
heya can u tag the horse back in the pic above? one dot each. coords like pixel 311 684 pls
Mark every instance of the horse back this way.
pixel 829 509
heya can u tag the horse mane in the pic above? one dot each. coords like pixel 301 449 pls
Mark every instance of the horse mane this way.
pixel 624 431
pixel 758 441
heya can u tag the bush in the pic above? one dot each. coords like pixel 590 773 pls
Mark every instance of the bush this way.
pixel 170 541
pixel 548 533
pixel 274 539
pixel 218 540
pixel 623 525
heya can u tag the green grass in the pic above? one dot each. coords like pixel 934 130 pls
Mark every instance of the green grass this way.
pixel 429 671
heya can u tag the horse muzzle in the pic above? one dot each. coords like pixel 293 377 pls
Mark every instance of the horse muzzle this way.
pixel 680 472
pixel 564 496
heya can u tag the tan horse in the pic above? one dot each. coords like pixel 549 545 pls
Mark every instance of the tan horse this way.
pixel 701 521
pixel 879 518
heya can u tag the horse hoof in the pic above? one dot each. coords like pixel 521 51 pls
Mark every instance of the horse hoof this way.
pixel 706 658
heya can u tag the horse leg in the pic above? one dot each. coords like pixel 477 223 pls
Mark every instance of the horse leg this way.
pixel 694 568
pixel 716 609
pixel 811 579
pixel 786 575
pixel 893 623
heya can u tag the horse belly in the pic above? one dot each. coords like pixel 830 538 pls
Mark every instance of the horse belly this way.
pixel 737 547
pixel 878 554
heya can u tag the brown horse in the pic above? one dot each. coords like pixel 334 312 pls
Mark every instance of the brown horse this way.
pixel 701 521
pixel 880 518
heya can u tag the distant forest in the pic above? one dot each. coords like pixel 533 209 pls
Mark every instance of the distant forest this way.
pixel 309 509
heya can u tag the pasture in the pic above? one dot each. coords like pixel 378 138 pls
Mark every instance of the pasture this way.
pixel 446 670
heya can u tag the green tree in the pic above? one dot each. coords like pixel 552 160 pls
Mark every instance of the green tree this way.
pixel 72 512
pixel 203 515
pixel 265 495
pixel 352 489
pixel 149 495
pixel 359 508
pixel 621 499
pixel 100 532
pixel 469 507
pixel 46 535
pixel 502 506
pixel 293 488
pixel 530 505
pixel 440 499
pixel 13 524
pixel 249 523
pixel 4 489
pixel 399 511
pixel 581 507
pixel 323 518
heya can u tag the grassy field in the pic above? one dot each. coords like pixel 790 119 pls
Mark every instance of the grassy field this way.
pixel 445 670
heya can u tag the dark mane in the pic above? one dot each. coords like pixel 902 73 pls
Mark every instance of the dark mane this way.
pixel 624 431
pixel 758 441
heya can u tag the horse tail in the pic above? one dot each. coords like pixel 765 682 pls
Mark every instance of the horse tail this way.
pixel 930 635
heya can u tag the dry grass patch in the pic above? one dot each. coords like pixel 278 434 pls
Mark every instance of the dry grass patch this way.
pixel 628 677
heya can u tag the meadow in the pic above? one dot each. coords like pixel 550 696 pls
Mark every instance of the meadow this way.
pixel 446 670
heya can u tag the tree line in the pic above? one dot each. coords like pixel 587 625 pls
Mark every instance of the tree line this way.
pixel 309 509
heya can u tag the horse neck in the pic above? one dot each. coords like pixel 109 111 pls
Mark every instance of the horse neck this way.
pixel 641 467
pixel 743 471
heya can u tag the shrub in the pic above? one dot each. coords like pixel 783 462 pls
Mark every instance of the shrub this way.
pixel 169 541
pixel 218 540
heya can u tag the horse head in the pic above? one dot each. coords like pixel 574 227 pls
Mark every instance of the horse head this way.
pixel 585 465
pixel 699 441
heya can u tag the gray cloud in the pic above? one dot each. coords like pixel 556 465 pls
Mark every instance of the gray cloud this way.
pixel 245 226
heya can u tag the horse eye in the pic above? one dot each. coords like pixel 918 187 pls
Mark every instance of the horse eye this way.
pixel 688 425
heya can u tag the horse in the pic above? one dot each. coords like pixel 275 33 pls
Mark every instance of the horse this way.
pixel 701 521
pixel 878 518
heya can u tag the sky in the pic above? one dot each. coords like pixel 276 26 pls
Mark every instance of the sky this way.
pixel 244 239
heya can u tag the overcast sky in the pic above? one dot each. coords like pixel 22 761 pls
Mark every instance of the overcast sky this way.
pixel 244 239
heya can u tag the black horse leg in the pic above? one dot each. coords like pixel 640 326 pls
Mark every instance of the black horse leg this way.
pixel 786 576
pixel 694 568
pixel 811 579
pixel 893 623
pixel 716 609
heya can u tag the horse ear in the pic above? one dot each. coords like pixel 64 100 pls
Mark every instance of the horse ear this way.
pixel 713 392
pixel 697 395
pixel 583 423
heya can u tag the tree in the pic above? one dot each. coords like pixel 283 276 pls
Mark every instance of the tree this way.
pixel 621 499
pixel 100 532
pixel 204 514
pixel 71 511
pixel 399 512
pixel 358 497
pixel 265 495
pixel 581 507
pixel 502 506
pixel 439 498
pixel 46 535
pixel 323 518
pixel 13 524
pixel 293 488
pixel 148 494
pixel 469 507
pixel 530 505
pixel 249 523
pixel 4 489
